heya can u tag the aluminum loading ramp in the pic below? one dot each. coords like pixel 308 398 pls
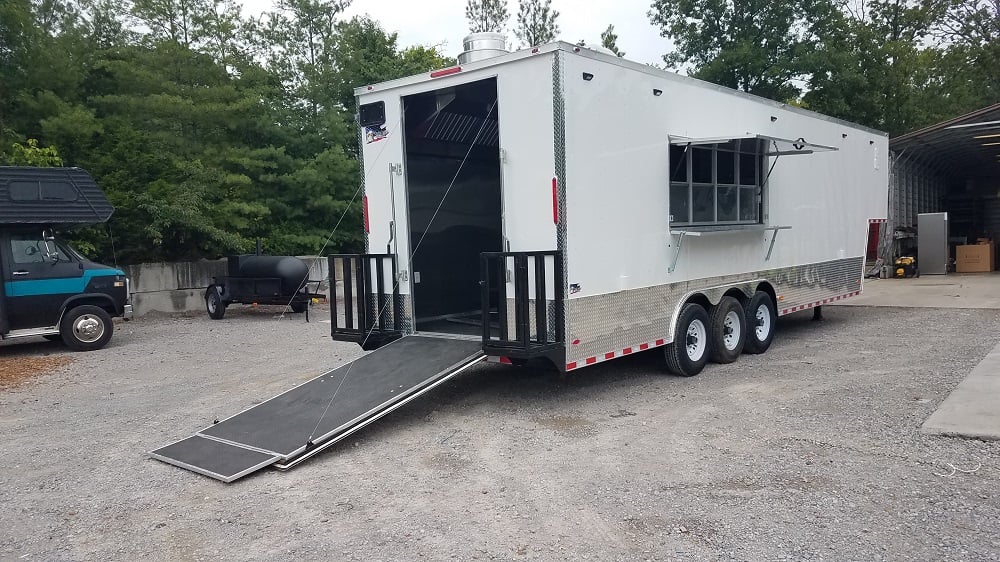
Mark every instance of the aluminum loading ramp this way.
pixel 277 432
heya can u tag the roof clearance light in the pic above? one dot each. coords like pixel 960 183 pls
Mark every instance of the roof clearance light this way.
pixel 446 72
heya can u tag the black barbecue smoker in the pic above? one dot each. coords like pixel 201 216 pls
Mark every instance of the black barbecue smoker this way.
pixel 268 280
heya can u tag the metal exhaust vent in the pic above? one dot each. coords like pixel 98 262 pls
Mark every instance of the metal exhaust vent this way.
pixel 482 46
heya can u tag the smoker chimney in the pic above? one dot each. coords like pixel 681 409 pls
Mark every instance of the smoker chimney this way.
pixel 482 46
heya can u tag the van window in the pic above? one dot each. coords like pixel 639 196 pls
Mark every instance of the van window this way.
pixel 26 248
pixel 41 191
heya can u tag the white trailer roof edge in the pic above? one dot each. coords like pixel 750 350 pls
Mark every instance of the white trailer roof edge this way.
pixel 609 59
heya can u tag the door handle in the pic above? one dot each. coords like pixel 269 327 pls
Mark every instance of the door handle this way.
pixel 21 273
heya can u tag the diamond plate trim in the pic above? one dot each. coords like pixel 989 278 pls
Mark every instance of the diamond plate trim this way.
pixel 609 324
pixel 559 145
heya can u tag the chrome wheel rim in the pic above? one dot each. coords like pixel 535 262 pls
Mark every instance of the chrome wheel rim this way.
pixel 696 340
pixel 88 328
pixel 763 327
pixel 731 330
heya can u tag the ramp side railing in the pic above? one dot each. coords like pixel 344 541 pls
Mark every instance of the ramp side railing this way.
pixel 531 321
pixel 365 303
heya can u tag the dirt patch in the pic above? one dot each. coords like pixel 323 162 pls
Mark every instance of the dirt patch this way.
pixel 19 369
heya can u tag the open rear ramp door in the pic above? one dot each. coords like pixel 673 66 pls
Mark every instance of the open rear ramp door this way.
pixel 299 423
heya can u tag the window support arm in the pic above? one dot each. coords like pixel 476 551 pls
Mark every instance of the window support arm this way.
pixel 771 169
pixel 774 236
pixel 677 250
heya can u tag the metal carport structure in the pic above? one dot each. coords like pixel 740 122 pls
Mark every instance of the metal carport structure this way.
pixel 953 167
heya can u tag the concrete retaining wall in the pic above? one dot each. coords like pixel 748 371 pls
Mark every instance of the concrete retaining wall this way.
pixel 180 287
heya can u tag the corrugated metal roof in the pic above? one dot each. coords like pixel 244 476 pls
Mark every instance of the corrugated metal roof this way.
pixel 967 146
pixel 51 196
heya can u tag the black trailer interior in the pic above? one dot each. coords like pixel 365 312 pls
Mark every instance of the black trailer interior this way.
pixel 452 144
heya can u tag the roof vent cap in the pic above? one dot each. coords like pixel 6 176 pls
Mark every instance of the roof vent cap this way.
pixel 482 46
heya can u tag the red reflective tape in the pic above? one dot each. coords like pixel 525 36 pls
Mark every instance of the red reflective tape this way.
pixel 643 347
pixel 660 342
pixel 446 72
pixel 570 366
pixel 364 201
pixel 627 351
pixel 609 355
pixel 506 361
pixel 555 200
pixel 591 360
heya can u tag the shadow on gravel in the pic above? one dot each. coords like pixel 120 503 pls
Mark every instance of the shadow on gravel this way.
pixel 505 388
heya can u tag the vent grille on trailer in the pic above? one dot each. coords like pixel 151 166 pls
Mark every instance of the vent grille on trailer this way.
pixel 456 127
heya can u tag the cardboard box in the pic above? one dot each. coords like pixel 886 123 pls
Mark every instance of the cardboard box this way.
pixel 975 258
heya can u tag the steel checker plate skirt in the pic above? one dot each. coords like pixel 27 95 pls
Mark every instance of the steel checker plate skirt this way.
pixel 612 322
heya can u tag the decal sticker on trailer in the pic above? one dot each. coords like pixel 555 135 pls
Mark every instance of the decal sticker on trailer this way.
pixel 375 133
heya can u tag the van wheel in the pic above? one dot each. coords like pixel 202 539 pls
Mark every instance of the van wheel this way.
pixel 687 355
pixel 761 322
pixel 727 326
pixel 86 328
pixel 213 303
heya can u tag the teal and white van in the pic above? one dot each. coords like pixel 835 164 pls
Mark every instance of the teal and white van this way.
pixel 49 289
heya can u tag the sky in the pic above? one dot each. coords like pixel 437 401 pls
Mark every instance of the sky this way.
pixel 442 22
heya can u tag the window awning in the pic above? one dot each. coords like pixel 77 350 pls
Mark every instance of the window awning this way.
pixel 775 146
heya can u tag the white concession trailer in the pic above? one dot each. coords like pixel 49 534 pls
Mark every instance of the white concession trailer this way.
pixel 566 204
pixel 652 192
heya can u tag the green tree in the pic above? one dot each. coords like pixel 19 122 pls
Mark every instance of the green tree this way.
pixel 970 30
pixel 876 64
pixel 610 41
pixel 750 45
pixel 486 15
pixel 536 22
pixel 366 54
pixel 30 154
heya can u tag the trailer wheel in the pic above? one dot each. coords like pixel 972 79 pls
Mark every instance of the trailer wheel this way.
pixel 86 328
pixel 761 319
pixel 214 304
pixel 299 307
pixel 687 355
pixel 727 326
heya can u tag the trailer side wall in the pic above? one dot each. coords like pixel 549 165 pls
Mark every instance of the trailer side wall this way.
pixel 619 243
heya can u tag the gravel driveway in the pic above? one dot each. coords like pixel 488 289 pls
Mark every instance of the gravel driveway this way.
pixel 810 452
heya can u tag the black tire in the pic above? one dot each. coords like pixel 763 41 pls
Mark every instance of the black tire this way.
pixel 86 328
pixel 299 307
pixel 214 304
pixel 761 323
pixel 728 330
pixel 686 356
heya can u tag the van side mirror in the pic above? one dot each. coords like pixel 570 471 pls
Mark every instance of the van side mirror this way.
pixel 51 252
